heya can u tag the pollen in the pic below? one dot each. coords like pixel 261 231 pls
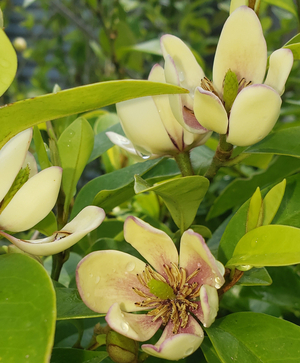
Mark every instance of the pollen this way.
pixel 171 298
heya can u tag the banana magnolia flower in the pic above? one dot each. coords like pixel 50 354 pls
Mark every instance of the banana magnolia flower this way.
pixel 238 102
pixel 86 221
pixel 167 289
pixel 26 197
pixel 151 129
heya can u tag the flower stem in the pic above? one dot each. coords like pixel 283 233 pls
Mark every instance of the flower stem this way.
pixel 57 263
pixel 183 161
pixel 221 157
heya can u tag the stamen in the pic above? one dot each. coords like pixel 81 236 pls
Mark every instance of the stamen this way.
pixel 193 274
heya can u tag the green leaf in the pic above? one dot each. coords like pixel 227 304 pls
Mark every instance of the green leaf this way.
pixel 182 205
pixel 271 245
pixel 27 314
pixel 294 45
pixel 70 305
pixel 289 212
pixel 284 4
pixel 73 101
pixel 75 146
pixel 115 180
pixel 8 63
pixel 255 338
pixel 272 202
pixel 63 355
pixel 255 277
pixel 281 142
pixel 40 149
pixel 254 214
pixel 209 351
pixel 240 190
pixel 204 231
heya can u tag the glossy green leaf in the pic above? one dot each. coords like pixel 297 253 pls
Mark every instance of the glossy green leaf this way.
pixel 234 231
pixel 73 101
pixel 260 161
pixel 288 212
pixel 294 45
pixel 281 142
pixel 115 180
pixel 255 338
pixel 254 214
pixel 27 314
pixel 204 231
pixel 64 355
pixel 8 63
pixel 240 190
pixel 182 205
pixel 75 146
pixel 70 305
pixel 209 351
pixel 271 245
pixel 105 121
pixel 48 225
pixel 272 201
pixel 255 277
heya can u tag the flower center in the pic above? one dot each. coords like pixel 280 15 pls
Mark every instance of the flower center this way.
pixel 170 299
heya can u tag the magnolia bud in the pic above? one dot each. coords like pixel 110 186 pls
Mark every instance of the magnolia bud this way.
pixel 120 348
pixel 20 44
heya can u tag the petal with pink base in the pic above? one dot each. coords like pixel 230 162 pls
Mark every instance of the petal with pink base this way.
pixel 195 254
pixel 106 277
pixel 153 244
pixel 139 327
pixel 177 346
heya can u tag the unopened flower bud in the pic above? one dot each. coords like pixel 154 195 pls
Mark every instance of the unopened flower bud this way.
pixel 120 348
pixel 20 44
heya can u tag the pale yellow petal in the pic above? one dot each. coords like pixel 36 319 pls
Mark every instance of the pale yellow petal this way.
pixel 33 201
pixel 210 112
pixel 253 115
pixel 12 156
pixel 139 327
pixel 241 48
pixel 172 126
pixel 142 125
pixel 209 300
pixel 107 277
pixel 280 65
pixel 153 244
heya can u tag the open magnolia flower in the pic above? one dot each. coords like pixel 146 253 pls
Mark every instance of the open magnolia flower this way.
pixel 174 291
pixel 26 197
pixel 150 126
pixel 86 221
pixel 237 102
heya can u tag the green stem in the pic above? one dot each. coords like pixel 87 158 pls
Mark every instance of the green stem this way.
pixel 57 263
pixel 221 158
pixel 183 161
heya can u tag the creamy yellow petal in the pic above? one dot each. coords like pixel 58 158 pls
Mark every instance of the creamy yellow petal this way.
pixel 153 244
pixel 172 126
pixel 177 346
pixel 33 201
pixel 12 156
pixel 253 115
pixel 87 220
pixel 280 65
pixel 209 300
pixel 210 112
pixel 142 125
pixel 189 71
pixel 107 277
pixel 241 48
pixel 139 327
